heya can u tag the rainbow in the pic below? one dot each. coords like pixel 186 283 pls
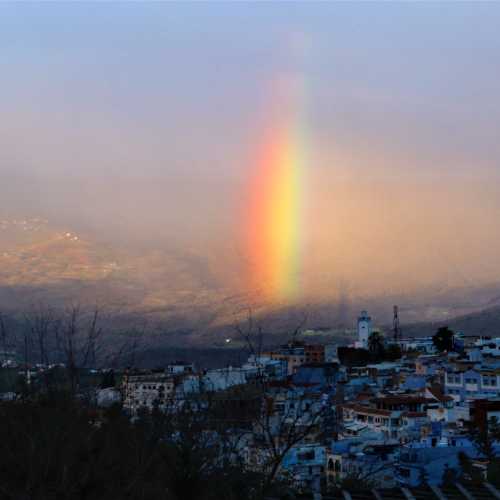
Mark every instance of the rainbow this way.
pixel 274 218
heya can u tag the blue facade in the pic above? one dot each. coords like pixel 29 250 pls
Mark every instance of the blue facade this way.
pixel 306 463
pixel 472 384
pixel 414 383
pixel 322 376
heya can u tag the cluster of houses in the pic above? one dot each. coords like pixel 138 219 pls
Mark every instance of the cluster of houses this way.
pixel 390 423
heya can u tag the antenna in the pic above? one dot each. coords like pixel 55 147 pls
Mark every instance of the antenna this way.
pixel 395 325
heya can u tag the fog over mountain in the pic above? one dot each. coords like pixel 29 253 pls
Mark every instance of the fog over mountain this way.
pixel 137 131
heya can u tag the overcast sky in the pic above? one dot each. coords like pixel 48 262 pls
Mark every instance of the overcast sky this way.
pixel 144 119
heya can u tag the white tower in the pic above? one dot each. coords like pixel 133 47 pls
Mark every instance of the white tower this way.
pixel 364 329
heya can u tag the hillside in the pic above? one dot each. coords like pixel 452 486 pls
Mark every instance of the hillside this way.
pixel 43 263
pixel 485 322
pixel 186 300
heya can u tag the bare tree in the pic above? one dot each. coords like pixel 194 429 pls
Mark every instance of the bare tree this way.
pixel 252 334
pixel 40 330
pixel 40 323
pixel 3 336
pixel 364 477
pixel 289 416
pixel 73 336
pixel 122 348
pixel 298 329
pixel 78 340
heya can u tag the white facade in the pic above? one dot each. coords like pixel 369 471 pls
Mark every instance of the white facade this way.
pixel 331 353
pixel 266 366
pixel 222 379
pixel 147 390
pixel 180 368
pixel 364 329
pixel 423 344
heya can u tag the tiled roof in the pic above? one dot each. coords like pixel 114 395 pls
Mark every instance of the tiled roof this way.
pixel 368 410
pixel 414 414
pixel 403 399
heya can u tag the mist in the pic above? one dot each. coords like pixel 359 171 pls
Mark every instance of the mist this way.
pixel 138 126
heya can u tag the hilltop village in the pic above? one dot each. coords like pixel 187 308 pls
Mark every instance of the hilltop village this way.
pixel 381 418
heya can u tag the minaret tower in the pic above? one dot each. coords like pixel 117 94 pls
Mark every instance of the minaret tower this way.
pixel 364 329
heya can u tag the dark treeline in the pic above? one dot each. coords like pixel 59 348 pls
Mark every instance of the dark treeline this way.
pixel 57 443
pixel 56 448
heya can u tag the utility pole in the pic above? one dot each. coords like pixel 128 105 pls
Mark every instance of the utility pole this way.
pixel 395 325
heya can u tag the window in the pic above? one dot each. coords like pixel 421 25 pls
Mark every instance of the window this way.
pixel 489 380
pixel 308 455
pixel 404 472
pixel 454 379
pixel 279 408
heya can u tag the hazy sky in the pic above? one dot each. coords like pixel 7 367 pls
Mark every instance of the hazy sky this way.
pixel 142 120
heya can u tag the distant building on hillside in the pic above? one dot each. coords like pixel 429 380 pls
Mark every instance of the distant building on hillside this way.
pixel 147 390
pixel 314 353
pixel 314 375
pixel 223 378
pixel 422 344
pixel 298 353
pixel 180 368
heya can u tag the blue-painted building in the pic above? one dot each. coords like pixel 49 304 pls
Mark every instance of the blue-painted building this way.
pixel 305 465
pixel 322 376
pixel 472 383
pixel 430 458
pixel 414 383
